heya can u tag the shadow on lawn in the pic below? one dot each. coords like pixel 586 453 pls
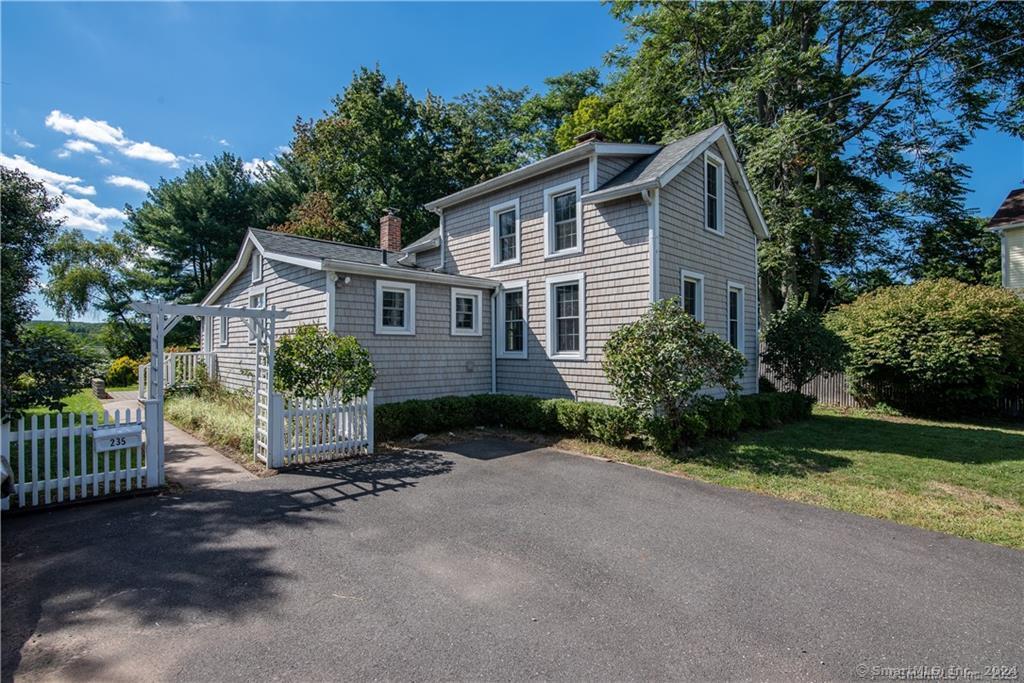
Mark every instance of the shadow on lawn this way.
pixel 767 460
pixel 172 559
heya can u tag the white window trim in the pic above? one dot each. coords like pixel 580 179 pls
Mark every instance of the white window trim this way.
pixel 741 322
pixel 410 305
pixel 506 287
pixel 719 163
pixel 552 341
pixel 549 219
pixel 685 275
pixel 255 291
pixel 477 298
pixel 495 210
pixel 222 331
pixel 257 272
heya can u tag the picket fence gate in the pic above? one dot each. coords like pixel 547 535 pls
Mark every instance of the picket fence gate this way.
pixel 54 458
pixel 318 429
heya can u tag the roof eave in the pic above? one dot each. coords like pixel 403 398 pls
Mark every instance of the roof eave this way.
pixel 1006 226
pixel 620 192
pixel 404 273
pixel 425 246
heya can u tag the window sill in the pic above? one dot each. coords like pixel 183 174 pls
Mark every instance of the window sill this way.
pixel 720 233
pixel 564 253
pixel 395 332
pixel 567 356
pixel 467 333
pixel 512 355
pixel 503 264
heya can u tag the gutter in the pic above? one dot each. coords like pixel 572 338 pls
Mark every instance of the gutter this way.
pixel 411 274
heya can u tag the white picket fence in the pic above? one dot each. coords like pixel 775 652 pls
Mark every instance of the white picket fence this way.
pixel 321 429
pixel 180 367
pixel 53 459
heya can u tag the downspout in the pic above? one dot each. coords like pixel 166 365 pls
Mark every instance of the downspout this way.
pixel 652 198
pixel 494 341
pixel 444 241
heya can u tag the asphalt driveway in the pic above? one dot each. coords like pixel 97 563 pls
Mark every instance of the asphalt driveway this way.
pixel 493 562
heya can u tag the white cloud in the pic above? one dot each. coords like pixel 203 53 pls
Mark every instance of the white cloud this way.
pixel 150 152
pixel 19 140
pixel 224 142
pixel 105 134
pixel 103 160
pixel 80 189
pixel 80 146
pixel 97 131
pixel 125 181
pixel 256 165
pixel 75 211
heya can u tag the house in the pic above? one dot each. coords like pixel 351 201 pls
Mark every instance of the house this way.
pixel 1008 223
pixel 527 274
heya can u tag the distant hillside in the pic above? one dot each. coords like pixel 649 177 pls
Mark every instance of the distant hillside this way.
pixel 90 332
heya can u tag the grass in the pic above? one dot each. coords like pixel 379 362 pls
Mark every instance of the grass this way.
pixel 957 478
pixel 80 402
pixel 221 419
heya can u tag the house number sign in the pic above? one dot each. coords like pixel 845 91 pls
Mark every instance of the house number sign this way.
pixel 115 438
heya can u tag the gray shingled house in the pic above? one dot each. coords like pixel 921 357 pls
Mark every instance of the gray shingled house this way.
pixel 525 277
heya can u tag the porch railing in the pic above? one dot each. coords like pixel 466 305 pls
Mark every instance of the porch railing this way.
pixel 180 368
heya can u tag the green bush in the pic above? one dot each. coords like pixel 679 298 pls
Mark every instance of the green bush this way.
pixel 937 346
pixel 595 421
pixel 798 346
pixel 312 362
pixel 123 371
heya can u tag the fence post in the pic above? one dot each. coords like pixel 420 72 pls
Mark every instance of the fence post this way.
pixel 369 421
pixel 275 431
pixel 154 427
pixel 5 451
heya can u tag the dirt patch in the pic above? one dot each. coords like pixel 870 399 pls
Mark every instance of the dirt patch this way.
pixel 971 496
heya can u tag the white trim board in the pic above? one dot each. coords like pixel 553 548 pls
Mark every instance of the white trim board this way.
pixel 549 285
pixel 505 287
pixel 549 223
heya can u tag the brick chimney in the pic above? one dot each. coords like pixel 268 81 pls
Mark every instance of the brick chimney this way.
pixel 590 136
pixel 390 231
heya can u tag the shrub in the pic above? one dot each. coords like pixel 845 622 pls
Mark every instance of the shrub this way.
pixel 219 417
pixel 936 346
pixel 312 362
pixel 47 364
pixel 798 346
pixel 123 371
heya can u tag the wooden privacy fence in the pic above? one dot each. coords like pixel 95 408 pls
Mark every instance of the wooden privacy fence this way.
pixel 318 429
pixel 58 457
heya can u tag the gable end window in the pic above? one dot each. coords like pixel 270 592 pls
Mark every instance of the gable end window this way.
pixel 566 295
pixel 734 305
pixel 257 266
pixel 223 339
pixel 512 339
pixel 692 291
pixel 714 193
pixel 396 308
pixel 563 220
pixel 257 300
pixel 505 235
pixel 466 312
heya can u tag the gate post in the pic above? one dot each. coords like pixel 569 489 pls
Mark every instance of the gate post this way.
pixel 154 425
pixel 275 431
pixel 369 421
pixel 5 451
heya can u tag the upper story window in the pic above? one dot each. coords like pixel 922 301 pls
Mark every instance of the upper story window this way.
pixel 566 316
pixel 396 307
pixel 693 294
pixel 466 305
pixel 257 266
pixel 223 339
pixel 735 304
pixel 563 219
pixel 513 320
pixel 714 193
pixel 505 237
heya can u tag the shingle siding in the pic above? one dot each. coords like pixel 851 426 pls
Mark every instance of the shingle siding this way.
pixel 430 363
pixel 608 167
pixel 685 243
pixel 614 259
pixel 299 290
pixel 1014 245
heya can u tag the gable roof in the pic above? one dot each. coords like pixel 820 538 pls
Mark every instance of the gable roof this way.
pixel 328 255
pixel 431 240
pixel 1010 212
pixel 657 170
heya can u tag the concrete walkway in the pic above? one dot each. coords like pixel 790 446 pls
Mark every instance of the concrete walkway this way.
pixel 187 461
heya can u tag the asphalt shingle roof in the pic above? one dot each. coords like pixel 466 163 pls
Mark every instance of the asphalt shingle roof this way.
pixel 432 235
pixel 648 169
pixel 1011 210
pixel 310 247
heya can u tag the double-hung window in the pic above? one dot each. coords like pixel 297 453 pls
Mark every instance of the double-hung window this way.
pixel 257 266
pixel 692 290
pixel 714 193
pixel 466 312
pixel 396 307
pixel 734 305
pixel 257 299
pixel 505 237
pixel 513 320
pixel 566 296
pixel 223 339
pixel 563 220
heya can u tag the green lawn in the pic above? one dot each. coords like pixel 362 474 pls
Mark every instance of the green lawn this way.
pixel 957 478
pixel 82 401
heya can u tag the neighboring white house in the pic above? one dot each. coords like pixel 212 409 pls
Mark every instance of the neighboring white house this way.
pixel 527 274
pixel 1008 223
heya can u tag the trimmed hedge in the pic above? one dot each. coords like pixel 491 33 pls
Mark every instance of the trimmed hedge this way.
pixel 596 421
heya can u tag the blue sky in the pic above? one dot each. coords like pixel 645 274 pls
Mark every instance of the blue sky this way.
pixel 147 89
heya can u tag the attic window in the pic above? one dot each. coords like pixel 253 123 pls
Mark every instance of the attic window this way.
pixel 257 266
pixel 714 194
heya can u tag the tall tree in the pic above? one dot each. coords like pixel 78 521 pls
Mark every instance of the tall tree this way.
pixel 824 99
